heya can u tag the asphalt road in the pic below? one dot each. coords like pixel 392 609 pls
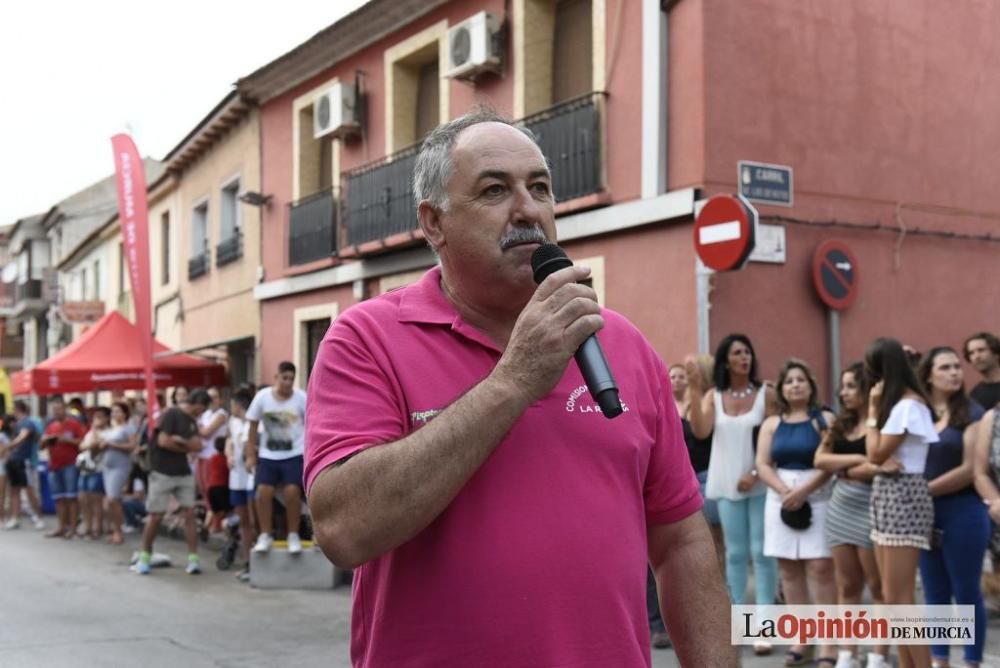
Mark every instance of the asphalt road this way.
pixel 75 603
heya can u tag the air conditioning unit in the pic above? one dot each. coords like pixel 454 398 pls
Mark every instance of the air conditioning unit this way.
pixel 336 112
pixel 473 47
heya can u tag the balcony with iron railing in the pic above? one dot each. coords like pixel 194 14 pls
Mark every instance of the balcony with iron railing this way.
pixel 378 208
pixel 199 265
pixel 30 289
pixel 569 135
pixel 29 298
pixel 312 228
pixel 378 201
pixel 229 250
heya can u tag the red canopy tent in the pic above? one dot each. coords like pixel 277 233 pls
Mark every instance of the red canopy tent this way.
pixel 109 357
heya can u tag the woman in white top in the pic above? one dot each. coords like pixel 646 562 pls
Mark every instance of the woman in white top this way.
pixel 900 429
pixel 730 412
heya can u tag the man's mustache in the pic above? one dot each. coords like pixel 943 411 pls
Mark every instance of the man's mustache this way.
pixel 523 235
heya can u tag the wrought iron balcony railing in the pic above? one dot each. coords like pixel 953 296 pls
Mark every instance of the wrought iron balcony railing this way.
pixel 569 135
pixel 199 264
pixel 312 230
pixel 379 198
pixel 30 289
pixel 230 249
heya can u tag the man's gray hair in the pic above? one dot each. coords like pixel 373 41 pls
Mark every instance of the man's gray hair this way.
pixel 435 166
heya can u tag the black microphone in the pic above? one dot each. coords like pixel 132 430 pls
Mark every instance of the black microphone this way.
pixel 549 258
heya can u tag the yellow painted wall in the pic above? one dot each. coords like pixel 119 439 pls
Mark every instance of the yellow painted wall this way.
pixel 219 305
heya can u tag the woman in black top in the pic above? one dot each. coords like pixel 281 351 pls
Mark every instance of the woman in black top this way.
pixel 950 570
pixel 848 526
pixel 699 449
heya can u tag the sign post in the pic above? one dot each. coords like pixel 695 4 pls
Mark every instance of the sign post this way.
pixel 835 277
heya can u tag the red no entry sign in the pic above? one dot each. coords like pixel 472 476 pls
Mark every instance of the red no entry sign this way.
pixel 725 232
pixel 835 274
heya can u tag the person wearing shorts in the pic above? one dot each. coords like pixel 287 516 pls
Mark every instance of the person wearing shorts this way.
pixel 281 412
pixel 62 439
pixel 117 443
pixel 19 452
pixel 170 475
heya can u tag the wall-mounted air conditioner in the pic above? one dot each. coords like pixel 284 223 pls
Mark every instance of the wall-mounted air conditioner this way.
pixel 474 47
pixel 336 112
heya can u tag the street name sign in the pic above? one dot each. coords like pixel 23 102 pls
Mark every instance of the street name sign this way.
pixel 765 183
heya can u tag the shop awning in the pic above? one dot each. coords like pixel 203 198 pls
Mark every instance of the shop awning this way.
pixel 108 356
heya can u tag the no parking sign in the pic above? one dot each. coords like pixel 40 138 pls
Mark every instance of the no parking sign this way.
pixel 835 274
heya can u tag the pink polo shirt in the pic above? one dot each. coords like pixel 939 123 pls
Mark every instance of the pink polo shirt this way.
pixel 541 558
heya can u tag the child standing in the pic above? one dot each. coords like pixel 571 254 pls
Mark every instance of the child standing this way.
pixel 241 493
pixel 218 485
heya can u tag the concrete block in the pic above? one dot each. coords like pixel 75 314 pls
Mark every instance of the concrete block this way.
pixel 278 569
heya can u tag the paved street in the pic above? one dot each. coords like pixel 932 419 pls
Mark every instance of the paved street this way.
pixel 77 604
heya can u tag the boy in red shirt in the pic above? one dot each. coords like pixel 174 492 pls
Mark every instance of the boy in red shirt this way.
pixel 218 485
pixel 62 437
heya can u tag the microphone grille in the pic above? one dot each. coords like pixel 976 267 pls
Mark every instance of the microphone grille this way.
pixel 548 258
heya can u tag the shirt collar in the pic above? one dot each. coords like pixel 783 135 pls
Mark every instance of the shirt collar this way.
pixel 425 302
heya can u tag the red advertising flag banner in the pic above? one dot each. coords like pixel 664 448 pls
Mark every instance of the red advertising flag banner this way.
pixel 133 216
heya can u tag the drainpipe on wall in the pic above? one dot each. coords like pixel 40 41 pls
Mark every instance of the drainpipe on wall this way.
pixel 703 288
pixel 655 68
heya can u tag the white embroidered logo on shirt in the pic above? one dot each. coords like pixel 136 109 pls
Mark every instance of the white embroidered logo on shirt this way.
pixel 573 405
pixel 423 417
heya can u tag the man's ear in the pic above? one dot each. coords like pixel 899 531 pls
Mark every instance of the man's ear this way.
pixel 431 224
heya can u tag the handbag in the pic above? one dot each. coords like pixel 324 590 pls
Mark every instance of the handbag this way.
pixel 87 462
pixel 799 519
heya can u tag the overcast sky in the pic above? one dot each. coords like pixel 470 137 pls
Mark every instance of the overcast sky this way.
pixel 74 73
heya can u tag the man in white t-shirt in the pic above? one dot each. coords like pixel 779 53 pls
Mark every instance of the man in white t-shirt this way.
pixel 276 454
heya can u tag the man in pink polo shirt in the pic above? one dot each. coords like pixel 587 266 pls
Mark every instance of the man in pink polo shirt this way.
pixel 455 458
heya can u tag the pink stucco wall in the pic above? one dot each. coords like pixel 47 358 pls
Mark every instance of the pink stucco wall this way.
pixel 882 112
pixel 623 145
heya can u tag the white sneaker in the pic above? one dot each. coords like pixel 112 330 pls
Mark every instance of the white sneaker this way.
pixel 876 660
pixel 39 524
pixel 294 544
pixel 11 524
pixel 845 659
pixel 263 544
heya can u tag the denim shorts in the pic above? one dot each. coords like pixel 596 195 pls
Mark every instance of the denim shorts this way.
pixel 711 507
pixel 92 483
pixel 64 482
pixel 279 472
pixel 240 497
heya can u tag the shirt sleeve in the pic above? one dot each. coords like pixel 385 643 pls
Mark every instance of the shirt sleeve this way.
pixel 895 424
pixel 352 404
pixel 168 422
pixel 256 408
pixel 671 492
